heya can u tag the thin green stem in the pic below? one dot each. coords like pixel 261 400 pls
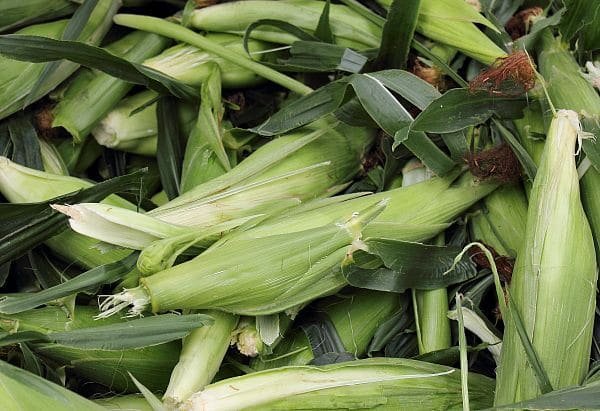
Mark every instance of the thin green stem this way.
pixel 180 33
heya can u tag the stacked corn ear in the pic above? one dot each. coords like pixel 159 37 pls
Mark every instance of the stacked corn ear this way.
pixel 553 286
pixel 89 98
pixel 352 318
pixel 150 365
pixel 501 221
pixel 306 250
pixel 348 28
pixel 391 383
pixel 19 184
pixel 25 12
pixel 126 128
pixel 569 90
pixel 16 90
pixel 190 64
pixel 282 173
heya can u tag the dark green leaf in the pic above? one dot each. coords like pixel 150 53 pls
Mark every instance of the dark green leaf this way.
pixel 411 265
pixel 142 332
pixel 5 141
pixel 392 117
pixel 278 24
pixel 398 34
pixel 30 362
pixel 104 274
pixel 414 89
pixel 4 271
pixel 311 56
pixel 459 108
pixel 24 226
pixel 169 150
pixel 584 397
pixel 457 144
pixel 41 49
pixel 26 147
pixel 447 356
pixel 397 323
pixel 44 270
pixel 323 30
pixel 325 342
pixel 305 110
pixel 72 31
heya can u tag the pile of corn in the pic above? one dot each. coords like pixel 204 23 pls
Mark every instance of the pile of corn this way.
pixel 299 204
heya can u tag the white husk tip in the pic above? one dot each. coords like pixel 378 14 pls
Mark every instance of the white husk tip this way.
pixel 134 298
pixel 70 211
pixel 593 74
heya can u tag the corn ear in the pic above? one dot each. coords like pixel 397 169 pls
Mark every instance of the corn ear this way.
pixel 26 12
pixel 568 90
pixel 303 266
pixel 150 365
pixel 191 65
pixel 280 174
pixel 553 286
pixel 201 356
pixel 88 100
pixel 393 383
pixel 501 222
pixel 348 28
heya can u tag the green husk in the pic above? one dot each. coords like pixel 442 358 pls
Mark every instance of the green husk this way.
pixel 430 306
pixel 137 133
pixel 15 92
pixel 150 365
pixel 354 317
pixel 201 356
pixel 297 256
pixel 568 90
pixel 391 383
pixel 88 100
pixel 190 64
pixel 500 223
pixel 26 12
pixel 553 286
pixel 205 156
pixel 282 173
pixel 348 28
